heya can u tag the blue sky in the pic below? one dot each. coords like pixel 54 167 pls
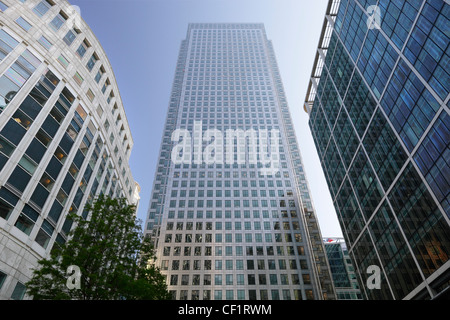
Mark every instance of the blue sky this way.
pixel 142 38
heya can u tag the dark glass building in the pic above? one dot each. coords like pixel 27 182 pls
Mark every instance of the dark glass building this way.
pixel 378 102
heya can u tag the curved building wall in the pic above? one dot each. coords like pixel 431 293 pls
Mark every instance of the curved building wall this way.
pixel 64 137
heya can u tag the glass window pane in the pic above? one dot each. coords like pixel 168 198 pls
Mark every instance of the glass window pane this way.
pixel 8 90
pixel 3 6
pixel 30 107
pixel 57 22
pixel 24 224
pixel 69 37
pixel 63 61
pixel 45 42
pixel 27 164
pixel 19 291
pixel 2 278
pixel 19 179
pixel 23 23
pixel 7 39
pixel 82 49
pixel 13 132
pixel 6 147
pixel 41 8
pixel 42 238
pixel 5 209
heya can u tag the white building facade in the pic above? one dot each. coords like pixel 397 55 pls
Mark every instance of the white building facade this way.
pixel 64 136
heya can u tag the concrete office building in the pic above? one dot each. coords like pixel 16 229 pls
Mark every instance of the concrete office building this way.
pixel 64 137
pixel 378 103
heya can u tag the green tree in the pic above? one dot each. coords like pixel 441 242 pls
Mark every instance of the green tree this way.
pixel 112 254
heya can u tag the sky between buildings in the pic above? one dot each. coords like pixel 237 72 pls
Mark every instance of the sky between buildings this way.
pixel 142 38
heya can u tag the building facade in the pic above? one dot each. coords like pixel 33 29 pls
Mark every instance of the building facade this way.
pixel 64 137
pixel 230 212
pixel 342 270
pixel 378 102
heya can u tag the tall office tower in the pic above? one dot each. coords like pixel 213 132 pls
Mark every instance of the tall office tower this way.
pixel 230 212
pixel 342 270
pixel 378 102
pixel 64 137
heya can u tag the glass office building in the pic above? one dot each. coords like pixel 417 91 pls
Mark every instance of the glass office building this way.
pixel 378 102
pixel 342 270
pixel 64 137
pixel 236 221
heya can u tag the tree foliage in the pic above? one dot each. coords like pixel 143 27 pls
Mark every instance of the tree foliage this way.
pixel 110 251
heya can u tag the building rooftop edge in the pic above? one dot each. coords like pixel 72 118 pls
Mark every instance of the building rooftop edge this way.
pixel 332 9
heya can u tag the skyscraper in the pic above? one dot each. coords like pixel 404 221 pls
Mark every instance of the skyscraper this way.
pixel 64 137
pixel 378 102
pixel 230 212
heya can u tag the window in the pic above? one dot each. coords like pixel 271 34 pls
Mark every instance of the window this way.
pixel 5 147
pixel 430 157
pixel 81 112
pixel 410 108
pixel 82 48
pixel 58 21
pixel 7 43
pixel 19 291
pixel 3 6
pixel 45 42
pixel 23 23
pixel 110 97
pixel 92 61
pixel 28 164
pixel 8 89
pixel 99 75
pixel 22 119
pixel 60 155
pixel 90 95
pixel 5 209
pixel 217 294
pixel 19 179
pixel 43 237
pixel 26 220
pixel 78 78
pixel 2 279
pixel 100 112
pixel 47 181
pixel 43 137
pixel 105 85
pixel 63 61
pixel 56 114
pixel 70 36
pixel 41 8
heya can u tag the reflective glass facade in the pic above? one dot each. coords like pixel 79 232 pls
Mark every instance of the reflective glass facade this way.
pixel 378 102
pixel 57 149
pixel 342 270
pixel 226 230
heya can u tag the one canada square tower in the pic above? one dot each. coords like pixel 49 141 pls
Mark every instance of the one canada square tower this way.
pixel 230 212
